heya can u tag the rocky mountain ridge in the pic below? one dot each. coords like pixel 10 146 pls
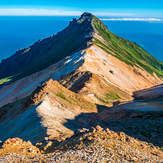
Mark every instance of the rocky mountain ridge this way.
pixel 85 71
pixel 48 51
pixel 80 33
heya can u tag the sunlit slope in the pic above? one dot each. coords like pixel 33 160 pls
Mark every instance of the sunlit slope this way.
pixel 129 52
pixel 77 36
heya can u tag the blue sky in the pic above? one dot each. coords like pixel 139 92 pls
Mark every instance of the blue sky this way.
pixel 119 8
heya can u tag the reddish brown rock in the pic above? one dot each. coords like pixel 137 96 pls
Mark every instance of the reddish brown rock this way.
pixel 12 142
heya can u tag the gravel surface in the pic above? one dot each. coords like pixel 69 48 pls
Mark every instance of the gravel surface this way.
pixel 98 145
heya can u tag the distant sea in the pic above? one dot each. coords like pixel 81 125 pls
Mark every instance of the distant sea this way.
pixel 22 31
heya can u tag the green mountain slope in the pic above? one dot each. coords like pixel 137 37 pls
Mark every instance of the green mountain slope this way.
pixel 129 52
pixel 75 37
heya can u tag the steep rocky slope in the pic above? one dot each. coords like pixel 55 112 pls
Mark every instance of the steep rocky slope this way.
pixel 78 35
pixel 48 51
pixel 114 71
pixel 104 67
pixel 80 62
pixel 43 113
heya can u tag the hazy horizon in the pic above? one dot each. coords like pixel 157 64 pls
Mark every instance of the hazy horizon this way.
pixel 127 8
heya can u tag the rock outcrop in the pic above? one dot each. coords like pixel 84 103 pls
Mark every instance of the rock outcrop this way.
pixel 97 145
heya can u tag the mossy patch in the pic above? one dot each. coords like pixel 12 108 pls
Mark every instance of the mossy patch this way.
pixel 103 101
pixel 63 97
pixel 112 96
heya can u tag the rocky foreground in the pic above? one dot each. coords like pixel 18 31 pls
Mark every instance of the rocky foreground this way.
pixel 95 145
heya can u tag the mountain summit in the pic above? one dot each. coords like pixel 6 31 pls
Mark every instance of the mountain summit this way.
pixel 48 51
pixel 80 33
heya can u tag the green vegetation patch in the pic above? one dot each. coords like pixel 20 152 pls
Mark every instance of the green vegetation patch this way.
pixel 112 96
pixel 63 97
pixel 5 80
pixel 102 100
pixel 26 50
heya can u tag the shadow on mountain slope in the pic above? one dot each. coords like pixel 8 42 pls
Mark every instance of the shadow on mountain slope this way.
pixel 20 122
pixel 53 110
pixel 149 93
pixel 142 125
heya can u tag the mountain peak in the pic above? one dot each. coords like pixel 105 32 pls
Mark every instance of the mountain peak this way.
pixel 85 21
pixel 91 20
pixel 86 15
pixel 80 33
